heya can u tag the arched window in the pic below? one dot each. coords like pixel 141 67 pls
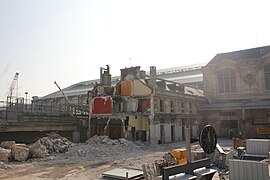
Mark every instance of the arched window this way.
pixel 267 76
pixel 226 81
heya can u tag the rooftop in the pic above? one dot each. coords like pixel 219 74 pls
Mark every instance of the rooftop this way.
pixel 181 74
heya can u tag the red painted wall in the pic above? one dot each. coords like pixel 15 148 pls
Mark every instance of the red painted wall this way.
pixel 102 105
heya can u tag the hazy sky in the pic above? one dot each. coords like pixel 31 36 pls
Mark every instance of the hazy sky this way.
pixel 67 41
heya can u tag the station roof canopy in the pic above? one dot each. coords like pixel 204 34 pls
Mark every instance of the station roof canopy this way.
pixel 235 106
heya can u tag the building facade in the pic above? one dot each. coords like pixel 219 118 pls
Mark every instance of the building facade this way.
pixel 237 87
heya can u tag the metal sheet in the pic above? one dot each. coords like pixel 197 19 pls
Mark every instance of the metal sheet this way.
pixel 258 146
pixel 120 173
pixel 248 170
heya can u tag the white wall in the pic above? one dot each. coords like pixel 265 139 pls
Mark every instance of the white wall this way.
pixel 155 133
pixel 167 132
pixel 178 133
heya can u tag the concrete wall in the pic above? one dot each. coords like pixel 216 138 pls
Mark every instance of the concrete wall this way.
pixel 154 133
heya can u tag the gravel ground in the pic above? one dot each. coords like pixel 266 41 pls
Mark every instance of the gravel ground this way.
pixel 88 160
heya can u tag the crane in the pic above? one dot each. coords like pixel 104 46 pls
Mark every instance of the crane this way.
pixel 62 92
pixel 13 85
pixel 67 100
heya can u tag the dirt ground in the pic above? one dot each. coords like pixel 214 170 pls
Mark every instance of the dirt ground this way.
pixel 90 160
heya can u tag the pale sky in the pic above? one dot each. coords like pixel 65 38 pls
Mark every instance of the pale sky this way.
pixel 67 41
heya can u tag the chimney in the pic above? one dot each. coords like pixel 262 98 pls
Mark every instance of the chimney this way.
pixel 134 71
pixel 105 76
pixel 153 77
pixel 101 76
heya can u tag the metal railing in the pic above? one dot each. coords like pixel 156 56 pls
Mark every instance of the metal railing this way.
pixel 18 110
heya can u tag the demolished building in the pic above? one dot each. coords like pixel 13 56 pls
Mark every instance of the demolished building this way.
pixel 143 107
pixel 77 93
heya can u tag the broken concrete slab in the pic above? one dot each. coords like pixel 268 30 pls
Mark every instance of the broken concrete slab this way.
pixel 7 144
pixel 5 154
pixel 19 153
pixel 38 150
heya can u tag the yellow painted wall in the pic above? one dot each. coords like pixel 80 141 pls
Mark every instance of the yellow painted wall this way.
pixel 141 123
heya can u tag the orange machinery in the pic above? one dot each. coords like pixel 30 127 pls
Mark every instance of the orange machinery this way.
pixel 176 156
pixel 263 131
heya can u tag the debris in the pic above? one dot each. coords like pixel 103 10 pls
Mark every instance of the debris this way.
pixel 21 145
pixel 46 141
pixel 106 140
pixel 5 154
pixel 19 153
pixel 81 152
pixel 38 150
pixel 2 165
pixel 150 171
pixel 56 143
pixel 7 144
pixel 237 142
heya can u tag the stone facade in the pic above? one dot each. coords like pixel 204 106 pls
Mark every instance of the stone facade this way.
pixel 236 85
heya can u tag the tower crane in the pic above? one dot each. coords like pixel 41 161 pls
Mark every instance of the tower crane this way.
pixel 13 85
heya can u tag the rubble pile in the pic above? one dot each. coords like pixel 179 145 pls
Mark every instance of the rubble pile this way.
pixel 101 148
pixel 56 143
pixel 106 140
pixel 53 143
